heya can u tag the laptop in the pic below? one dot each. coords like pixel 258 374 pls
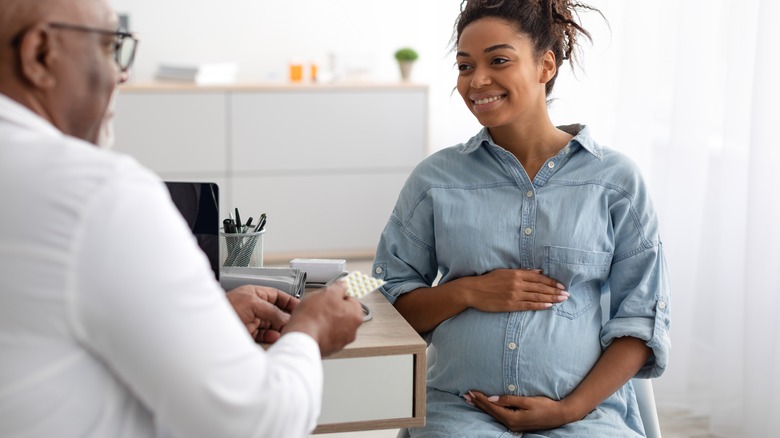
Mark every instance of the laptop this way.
pixel 198 203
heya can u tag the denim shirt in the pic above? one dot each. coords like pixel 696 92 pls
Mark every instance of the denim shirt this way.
pixel 586 220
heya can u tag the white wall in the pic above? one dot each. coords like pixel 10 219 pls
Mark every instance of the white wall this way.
pixel 263 36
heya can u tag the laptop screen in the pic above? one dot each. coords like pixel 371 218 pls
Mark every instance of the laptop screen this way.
pixel 198 202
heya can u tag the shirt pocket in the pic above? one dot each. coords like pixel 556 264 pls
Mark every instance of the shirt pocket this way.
pixel 582 272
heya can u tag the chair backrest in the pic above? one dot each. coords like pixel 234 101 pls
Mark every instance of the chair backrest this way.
pixel 645 398
pixel 647 410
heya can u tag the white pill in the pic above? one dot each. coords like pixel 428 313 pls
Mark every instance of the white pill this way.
pixel 359 284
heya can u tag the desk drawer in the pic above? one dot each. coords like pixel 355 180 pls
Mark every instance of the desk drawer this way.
pixel 368 389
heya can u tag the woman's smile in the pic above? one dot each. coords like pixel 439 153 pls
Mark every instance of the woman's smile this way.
pixel 486 103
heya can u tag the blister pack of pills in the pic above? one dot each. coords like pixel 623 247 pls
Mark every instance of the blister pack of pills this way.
pixel 359 284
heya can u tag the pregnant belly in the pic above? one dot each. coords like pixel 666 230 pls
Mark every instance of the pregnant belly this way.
pixel 522 353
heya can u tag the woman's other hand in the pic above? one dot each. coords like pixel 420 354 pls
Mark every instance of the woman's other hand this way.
pixel 522 414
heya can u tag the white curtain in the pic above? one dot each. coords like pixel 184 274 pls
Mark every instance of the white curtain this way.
pixel 691 89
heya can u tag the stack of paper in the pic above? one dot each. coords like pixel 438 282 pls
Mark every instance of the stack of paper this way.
pixel 200 73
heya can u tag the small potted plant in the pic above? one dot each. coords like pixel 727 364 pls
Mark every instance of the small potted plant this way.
pixel 406 57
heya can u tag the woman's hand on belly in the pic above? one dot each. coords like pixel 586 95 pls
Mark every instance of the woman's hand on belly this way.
pixel 502 290
pixel 523 414
pixel 510 290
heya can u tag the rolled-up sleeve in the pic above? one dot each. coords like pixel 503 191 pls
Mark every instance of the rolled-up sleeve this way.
pixel 403 260
pixel 640 305
pixel 406 254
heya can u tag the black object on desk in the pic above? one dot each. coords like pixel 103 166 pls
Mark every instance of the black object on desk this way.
pixel 198 203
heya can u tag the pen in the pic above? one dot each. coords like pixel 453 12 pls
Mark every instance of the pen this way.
pixel 261 223
pixel 244 255
pixel 238 220
pixel 231 224
pixel 229 228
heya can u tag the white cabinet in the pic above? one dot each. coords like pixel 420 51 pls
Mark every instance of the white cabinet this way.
pixel 182 132
pixel 357 131
pixel 325 163
pixel 367 389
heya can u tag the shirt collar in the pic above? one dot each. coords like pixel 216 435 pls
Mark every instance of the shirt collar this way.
pixel 581 135
pixel 13 112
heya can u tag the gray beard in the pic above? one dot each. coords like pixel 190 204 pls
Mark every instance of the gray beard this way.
pixel 105 138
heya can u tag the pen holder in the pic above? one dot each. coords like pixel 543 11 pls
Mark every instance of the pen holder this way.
pixel 241 249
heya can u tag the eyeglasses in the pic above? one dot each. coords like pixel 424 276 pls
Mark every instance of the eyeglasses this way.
pixel 124 46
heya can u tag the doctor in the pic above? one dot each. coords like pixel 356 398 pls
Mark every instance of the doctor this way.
pixel 111 323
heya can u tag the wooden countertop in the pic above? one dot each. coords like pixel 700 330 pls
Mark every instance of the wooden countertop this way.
pixel 186 86
pixel 386 334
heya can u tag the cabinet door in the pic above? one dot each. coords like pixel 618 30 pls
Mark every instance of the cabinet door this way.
pixel 328 129
pixel 174 132
pixel 365 389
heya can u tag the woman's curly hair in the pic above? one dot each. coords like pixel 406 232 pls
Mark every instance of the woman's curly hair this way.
pixel 551 24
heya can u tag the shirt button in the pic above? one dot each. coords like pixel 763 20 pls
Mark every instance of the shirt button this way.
pixel 529 231
pixel 662 305
pixel 378 270
pixel 511 387
pixel 566 150
pixel 512 345
pixel 529 194
pixel 517 433
pixel 551 165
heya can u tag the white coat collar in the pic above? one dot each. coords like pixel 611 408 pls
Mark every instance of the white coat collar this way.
pixel 13 112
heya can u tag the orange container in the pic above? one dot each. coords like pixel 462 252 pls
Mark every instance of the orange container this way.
pixel 313 72
pixel 296 72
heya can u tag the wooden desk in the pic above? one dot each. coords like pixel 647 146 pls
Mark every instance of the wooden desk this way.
pixel 378 381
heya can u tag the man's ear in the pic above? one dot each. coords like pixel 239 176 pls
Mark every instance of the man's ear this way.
pixel 36 53
pixel 547 67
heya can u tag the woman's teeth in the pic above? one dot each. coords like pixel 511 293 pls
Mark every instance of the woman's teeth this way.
pixel 488 100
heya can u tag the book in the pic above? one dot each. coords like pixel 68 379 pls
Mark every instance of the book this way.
pixel 200 73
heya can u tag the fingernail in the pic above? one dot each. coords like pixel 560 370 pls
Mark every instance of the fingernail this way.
pixel 467 397
pixel 493 398
pixel 561 298
pixel 470 404
pixel 565 294
pixel 561 287
pixel 548 305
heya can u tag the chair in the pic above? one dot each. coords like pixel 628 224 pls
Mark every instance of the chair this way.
pixel 645 399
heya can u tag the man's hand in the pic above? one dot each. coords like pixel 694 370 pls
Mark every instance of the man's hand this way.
pixel 329 316
pixel 264 310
